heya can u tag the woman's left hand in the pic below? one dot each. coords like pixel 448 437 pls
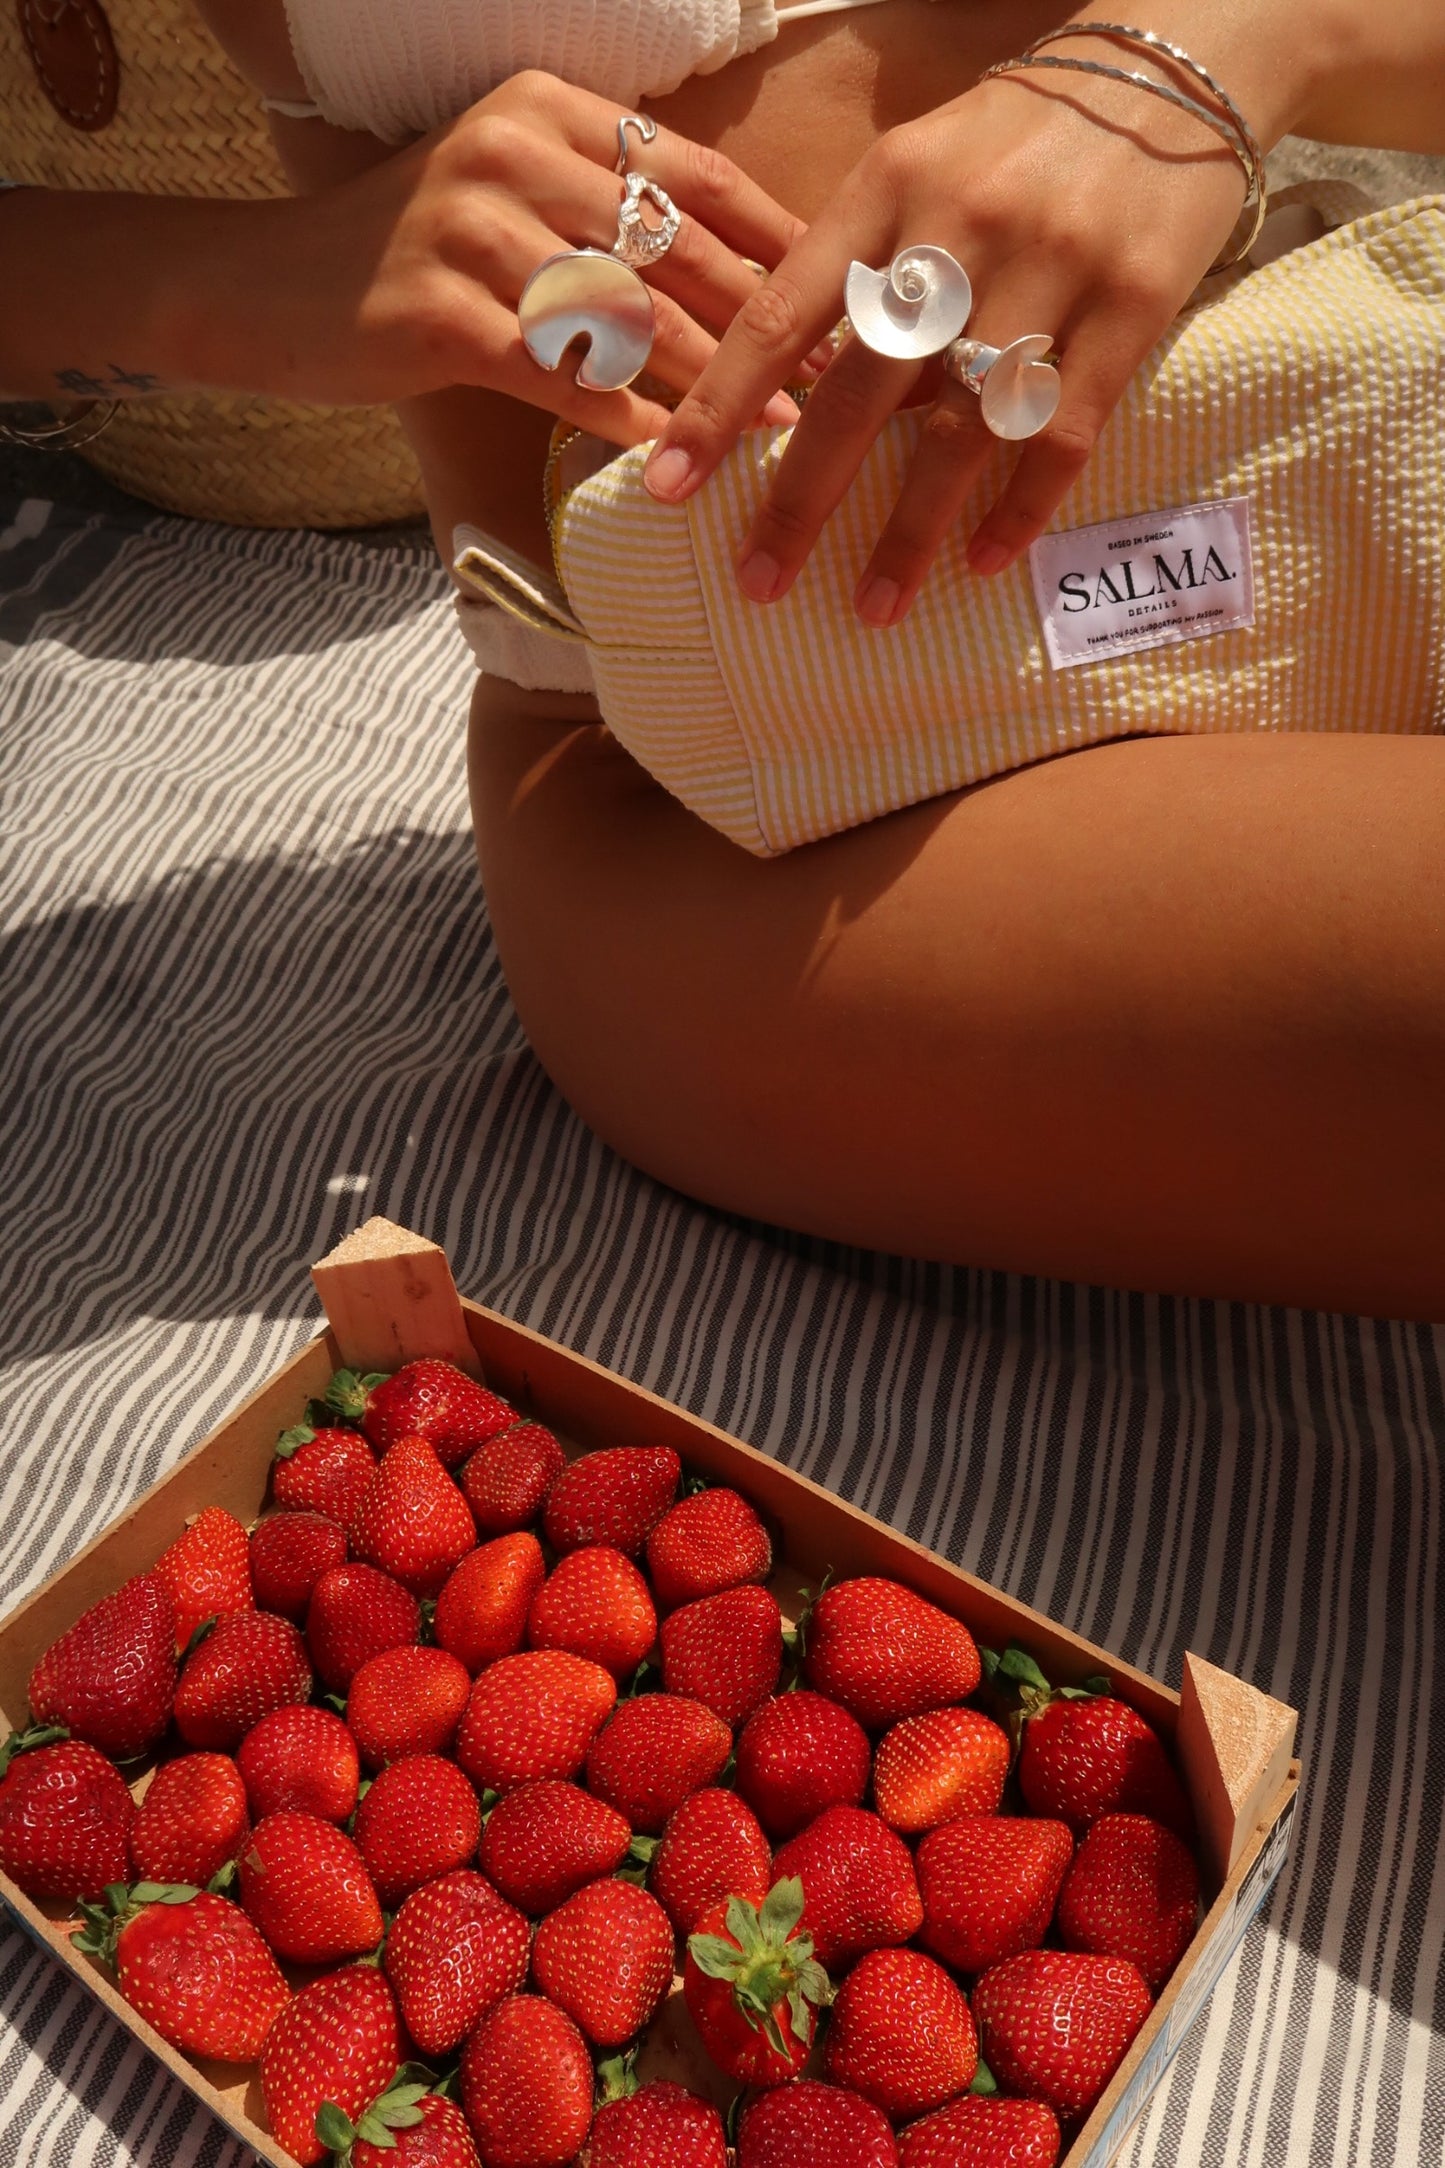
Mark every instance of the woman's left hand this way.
pixel 1088 211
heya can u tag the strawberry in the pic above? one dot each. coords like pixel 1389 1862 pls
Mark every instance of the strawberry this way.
pixel 901 2034
pixel 704 1544
pixel 527 2085
pixel 413 1522
pixel 595 1603
pixel 532 1716
pixel 617 1496
pixel 289 1554
pixel 65 1817
pixel 752 1986
pixel 932 1768
pixel 337 2040
pixel 207 1570
pixel 1055 2025
pixel 983 2133
pixel 1132 1891
pixel 406 1701
pixel 1083 1756
pixel 356 1612
pixel 481 1613
pixel 507 1482
pixel 885 1653
pixel 427 1399
pixel 321 1471
pixel 420 1819
pixel 544 1840
pixel 454 1950
pixel 989 1887
pixel 111 1677
pixel 726 1651
pixel 306 1887
pixel 655 1751
pixel 251 1664
pixel 605 1957
pixel 193 1965
pixel 662 2126
pixel 807 2125
pixel 797 1755
pixel 192 1821
pixel 408 2127
pixel 858 1881
pixel 711 1849
pixel 303 1758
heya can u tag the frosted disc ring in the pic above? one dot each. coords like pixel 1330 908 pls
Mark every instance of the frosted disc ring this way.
pixel 915 308
pixel 1017 388
pixel 584 293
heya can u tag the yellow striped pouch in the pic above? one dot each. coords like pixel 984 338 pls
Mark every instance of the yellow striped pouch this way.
pixel 1307 398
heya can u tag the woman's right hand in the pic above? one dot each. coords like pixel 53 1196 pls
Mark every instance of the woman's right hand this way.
pixel 405 279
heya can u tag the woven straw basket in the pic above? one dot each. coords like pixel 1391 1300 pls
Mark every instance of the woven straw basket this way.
pixel 187 125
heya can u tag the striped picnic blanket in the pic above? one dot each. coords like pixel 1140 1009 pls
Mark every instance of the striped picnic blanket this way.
pixel 248 998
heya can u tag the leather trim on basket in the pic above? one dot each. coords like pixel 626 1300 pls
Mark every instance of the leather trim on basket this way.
pixel 74 57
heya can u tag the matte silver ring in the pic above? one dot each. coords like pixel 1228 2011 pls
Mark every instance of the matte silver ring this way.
pixel 1017 385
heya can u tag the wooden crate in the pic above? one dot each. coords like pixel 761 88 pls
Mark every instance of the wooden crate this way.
pixel 389 1297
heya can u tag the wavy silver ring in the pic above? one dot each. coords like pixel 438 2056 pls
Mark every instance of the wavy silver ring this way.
pixel 646 128
pixel 638 243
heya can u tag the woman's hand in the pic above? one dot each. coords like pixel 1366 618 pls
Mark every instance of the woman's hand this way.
pixel 1082 209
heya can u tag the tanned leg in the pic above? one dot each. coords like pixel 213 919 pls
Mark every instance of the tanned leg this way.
pixel 1166 1014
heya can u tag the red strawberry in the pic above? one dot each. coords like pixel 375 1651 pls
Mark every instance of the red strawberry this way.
pixel 752 1986
pixel 306 1887
pixel 481 1613
pixel 455 1949
pixel 321 1471
pixel 806 2125
pixel 193 1966
pixel 111 1677
pixel 704 1544
pixel 989 1887
pixel 251 1664
pixel 406 1701
pixel 1132 1891
pixel 507 1482
pixel 207 1570
pixel 1084 1758
pixel 655 1751
pixel 544 1840
pixel 427 1399
pixel 885 1653
pixel 983 2133
pixel 617 1497
pixel 799 1754
pixel 532 1716
pixel 356 1612
pixel 192 1821
pixel 337 2040
pixel 711 1849
pixel 1055 2026
pixel 527 2085
pixel 662 2126
pixel 596 1604
pixel 605 1957
pixel 289 1554
pixel 858 1882
pixel 901 2034
pixel 407 2128
pixel 725 1651
pixel 932 1768
pixel 413 1521
pixel 420 1819
pixel 65 1818
pixel 300 1758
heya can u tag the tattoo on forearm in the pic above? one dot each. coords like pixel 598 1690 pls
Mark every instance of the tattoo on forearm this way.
pixel 81 384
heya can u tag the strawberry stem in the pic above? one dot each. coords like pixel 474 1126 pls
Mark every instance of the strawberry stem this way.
pixel 768 1963
pixel 22 1742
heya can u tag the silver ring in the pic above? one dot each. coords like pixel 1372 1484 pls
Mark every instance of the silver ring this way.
pixel 646 128
pixel 1018 389
pixel 638 243
pixel 914 307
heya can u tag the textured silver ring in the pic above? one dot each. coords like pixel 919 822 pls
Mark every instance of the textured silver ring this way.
pixel 637 243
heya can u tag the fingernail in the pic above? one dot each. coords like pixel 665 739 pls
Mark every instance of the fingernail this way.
pixel 758 576
pixel 876 601
pixel 668 472
pixel 781 411
pixel 813 366
pixel 985 557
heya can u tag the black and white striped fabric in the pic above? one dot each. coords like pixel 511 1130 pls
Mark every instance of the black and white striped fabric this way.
pixel 249 998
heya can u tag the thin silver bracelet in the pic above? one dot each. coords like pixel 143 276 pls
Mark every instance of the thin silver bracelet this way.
pixel 62 435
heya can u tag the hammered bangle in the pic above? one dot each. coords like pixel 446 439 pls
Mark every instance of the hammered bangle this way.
pixel 66 435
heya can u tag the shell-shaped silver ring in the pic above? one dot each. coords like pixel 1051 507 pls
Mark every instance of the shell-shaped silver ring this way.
pixel 584 293
pixel 1018 390
pixel 638 243
pixel 915 308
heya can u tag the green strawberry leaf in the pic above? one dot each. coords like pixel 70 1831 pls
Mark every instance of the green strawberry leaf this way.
pixel 616 2079
pixel 117 1896
pixel 782 1909
pixel 984 2080
pixel 335 2129
pixel 373 2131
pixel 989 1659
pixel 718 1959
pixel 774 2032
pixel 1017 1664
pixel 744 1925
pixel 163 1893
pixel 21 1742
pixel 814 1982
pixel 346 1395
pixel 292 1440
pixel 222 1879
pixel 801 2015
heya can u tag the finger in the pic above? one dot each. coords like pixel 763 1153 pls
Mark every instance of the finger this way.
pixel 952 448
pixel 841 420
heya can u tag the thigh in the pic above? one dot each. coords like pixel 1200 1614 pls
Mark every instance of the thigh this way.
pixel 1164 1014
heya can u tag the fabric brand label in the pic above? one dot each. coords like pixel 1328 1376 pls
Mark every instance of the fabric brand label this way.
pixel 1146 581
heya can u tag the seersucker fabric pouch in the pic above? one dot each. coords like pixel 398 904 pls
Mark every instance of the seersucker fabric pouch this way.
pixel 1257 543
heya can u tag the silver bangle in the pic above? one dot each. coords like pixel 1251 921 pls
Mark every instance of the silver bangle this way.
pixel 63 435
